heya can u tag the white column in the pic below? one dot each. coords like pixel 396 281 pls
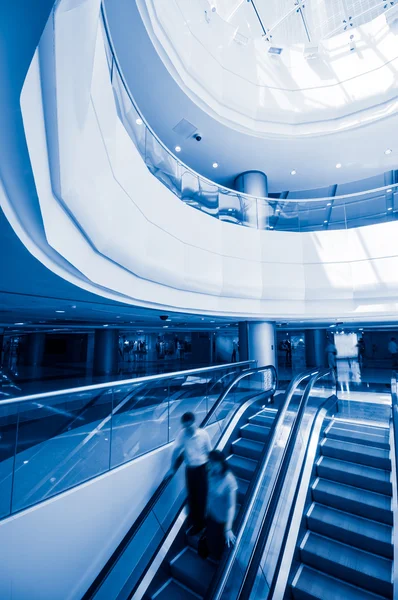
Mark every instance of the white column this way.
pixel 254 183
pixel 257 341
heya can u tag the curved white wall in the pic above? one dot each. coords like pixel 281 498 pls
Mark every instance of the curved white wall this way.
pixel 129 235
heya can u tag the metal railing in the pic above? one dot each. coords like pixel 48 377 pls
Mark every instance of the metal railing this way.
pixel 378 205
pixel 54 441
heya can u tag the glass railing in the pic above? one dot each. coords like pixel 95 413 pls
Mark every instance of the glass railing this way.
pixel 267 575
pixel 54 441
pixel 240 573
pixel 124 574
pixel 338 212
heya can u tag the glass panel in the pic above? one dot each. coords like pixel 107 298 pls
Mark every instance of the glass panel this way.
pixel 139 421
pixel 8 438
pixel 60 444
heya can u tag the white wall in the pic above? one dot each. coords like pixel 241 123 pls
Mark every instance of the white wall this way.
pixel 129 235
pixel 54 550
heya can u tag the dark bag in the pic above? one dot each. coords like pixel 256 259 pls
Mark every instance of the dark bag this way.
pixel 203 549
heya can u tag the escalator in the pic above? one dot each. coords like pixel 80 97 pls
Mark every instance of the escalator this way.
pixel 346 550
pixel 184 574
pixel 331 535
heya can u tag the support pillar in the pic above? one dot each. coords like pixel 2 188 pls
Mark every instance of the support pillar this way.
pixel 106 351
pixel 35 345
pixel 255 183
pixel 315 344
pixel 257 342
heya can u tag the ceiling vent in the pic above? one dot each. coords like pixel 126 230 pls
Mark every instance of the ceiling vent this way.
pixel 185 129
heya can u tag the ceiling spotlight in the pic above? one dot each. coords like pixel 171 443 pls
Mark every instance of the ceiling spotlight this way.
pixel 389 191
pixel 293 172
pixel 325 221
pixel 105 326
pixel 390 208
pixel 177 148
pixel 329 204
pixel 19 323
pixel 138 121
pixel 215 165
pixel 338 166
pixel 388 151
pixel 60 311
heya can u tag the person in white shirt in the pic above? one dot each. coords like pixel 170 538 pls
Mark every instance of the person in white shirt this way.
pixel 221 505
pixel 194 443
pixel 393 350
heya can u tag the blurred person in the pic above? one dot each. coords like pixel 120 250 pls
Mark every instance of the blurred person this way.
pixel 393 350
pixel 331 354
pixel 221 505
pixel 194 443
pixel 361 352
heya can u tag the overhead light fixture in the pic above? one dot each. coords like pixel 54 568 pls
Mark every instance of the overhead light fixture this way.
pixel 215 165
pixel 325 221
pixel 138 121
pixel 105 326
pixel 389 191
pixel 389 208
pixel 388 151
pixel 19 323
pixel 60 311
pixel 329 204
pixel 165 326
pixel 177 148
pixel 338 166
pixel 293 172
pixel 74 306
pixel 230 209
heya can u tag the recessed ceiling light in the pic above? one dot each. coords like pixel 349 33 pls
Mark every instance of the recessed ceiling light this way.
pixel 60 311
pixel 329 204
pixel 105 326
pixel 389 191
pixel 293 172
pixel 338 166
pixel 74 306
pixel 388 151
pixel 25 462
pixel 138 121
pixel 230 209
pixel 390 208
pixel 19 323
pixel 177 148
pixel 215 165
pixel 165 326
pixel 325 221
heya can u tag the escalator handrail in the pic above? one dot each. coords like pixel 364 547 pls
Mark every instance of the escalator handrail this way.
pixel 146 511
pixel 263 538
pixel 110 384
pixel 219 585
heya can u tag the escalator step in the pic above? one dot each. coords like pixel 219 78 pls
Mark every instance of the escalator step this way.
pixel 352 500
pixel 243 484
pixel 262 419
pixel 354 426
pixel 350 529
pixel 310 584
pixel 257 433
pixel 356 453
pixel 354 566
pixel 248 448
pixel 361 476
pixel 241 466
pixel 193 571
pixel 172 590
pixel 378 438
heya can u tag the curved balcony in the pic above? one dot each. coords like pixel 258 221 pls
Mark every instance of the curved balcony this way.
pixel 368 207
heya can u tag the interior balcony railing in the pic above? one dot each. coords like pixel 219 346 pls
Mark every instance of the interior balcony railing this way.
pixel 347 211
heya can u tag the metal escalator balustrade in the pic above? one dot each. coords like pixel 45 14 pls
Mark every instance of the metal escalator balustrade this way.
pixel 54 441
pixel 336 540
pixel 154 558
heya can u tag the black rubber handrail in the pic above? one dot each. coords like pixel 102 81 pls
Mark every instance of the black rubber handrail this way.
pixel 101 577
pixel 254 565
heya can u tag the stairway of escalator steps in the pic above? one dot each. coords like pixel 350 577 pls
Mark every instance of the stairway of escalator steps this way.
pixel 190 575
pixel 346 552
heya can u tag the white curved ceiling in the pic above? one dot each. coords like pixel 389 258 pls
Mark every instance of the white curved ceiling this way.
pixel 297 21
